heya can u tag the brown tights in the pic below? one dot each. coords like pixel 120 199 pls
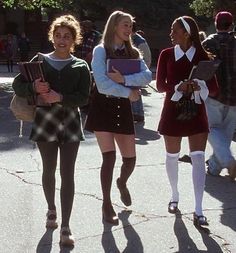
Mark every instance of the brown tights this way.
pixel 68 153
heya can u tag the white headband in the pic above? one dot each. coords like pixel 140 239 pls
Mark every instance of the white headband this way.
pixel 186 25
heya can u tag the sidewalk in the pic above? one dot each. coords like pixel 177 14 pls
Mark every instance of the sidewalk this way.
pixel 144 227
pixel 5 77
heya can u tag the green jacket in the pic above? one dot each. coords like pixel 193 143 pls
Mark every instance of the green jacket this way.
pixel 73 82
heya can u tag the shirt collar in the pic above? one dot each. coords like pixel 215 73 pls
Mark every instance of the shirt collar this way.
pixel 119 47
pixel 179 53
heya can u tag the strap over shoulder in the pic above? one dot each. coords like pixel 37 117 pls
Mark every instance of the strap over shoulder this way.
pixel 40 56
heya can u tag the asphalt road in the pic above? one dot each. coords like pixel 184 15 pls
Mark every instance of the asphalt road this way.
pixel 145 227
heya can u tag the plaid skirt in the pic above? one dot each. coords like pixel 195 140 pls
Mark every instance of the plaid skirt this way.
pixel 57 123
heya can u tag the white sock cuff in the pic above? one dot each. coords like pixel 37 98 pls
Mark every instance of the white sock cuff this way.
pixel 172 154
pixel 197 153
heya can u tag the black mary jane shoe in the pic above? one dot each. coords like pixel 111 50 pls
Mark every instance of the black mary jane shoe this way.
pixel 109 215
pixel 199 220
pixel 173 207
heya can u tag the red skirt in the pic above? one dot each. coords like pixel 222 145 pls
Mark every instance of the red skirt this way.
pixel 169 125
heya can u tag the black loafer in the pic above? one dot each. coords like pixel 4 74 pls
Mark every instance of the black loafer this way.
pixel 109 215
pixel 173 207
pixel 124 193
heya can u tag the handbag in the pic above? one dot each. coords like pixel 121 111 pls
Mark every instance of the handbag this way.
pixel 22 109
pixel 186 107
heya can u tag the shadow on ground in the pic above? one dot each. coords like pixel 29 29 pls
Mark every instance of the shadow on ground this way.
pixel 222 189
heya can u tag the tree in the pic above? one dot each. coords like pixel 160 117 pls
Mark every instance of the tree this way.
pixel 150 12
pixel 211 7
pixel 31 4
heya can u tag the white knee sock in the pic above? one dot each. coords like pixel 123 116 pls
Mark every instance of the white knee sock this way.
pixel 198 176
pixel 172 173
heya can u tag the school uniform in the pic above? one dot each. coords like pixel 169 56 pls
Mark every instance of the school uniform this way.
pixel 61 121
pixel 173 67
pixel 110 109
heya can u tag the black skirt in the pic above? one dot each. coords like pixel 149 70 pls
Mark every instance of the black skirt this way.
pixel 110 114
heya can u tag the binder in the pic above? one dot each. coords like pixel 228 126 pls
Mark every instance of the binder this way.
pixel 125 67
pixel 204 70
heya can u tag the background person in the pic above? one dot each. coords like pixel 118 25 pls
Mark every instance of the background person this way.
pixel 140 42
pixel 173 69
pixel 221 109
pixel 10 51
pixel 24 47
pixel 91 37
pixel 202 35
pixel 57 125
pixel 110 115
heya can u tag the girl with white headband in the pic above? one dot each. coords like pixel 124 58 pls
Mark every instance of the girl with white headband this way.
pixel 173 69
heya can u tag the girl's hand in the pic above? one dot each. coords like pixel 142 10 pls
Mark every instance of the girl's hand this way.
pixel 51 97
pixel 41 87
pixel 134 95
pixel 116 76
pixel 188 86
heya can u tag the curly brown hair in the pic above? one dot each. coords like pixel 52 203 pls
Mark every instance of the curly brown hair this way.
pixel 69 22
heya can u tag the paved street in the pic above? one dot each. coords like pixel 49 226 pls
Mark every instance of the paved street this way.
pixel 145 227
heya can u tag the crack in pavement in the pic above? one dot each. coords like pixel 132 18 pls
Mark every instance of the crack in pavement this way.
pixel 146 217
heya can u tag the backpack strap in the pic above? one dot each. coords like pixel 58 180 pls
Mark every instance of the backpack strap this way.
pixel 40 56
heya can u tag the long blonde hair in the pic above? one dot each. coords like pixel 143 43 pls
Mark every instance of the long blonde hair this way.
pixel 109 32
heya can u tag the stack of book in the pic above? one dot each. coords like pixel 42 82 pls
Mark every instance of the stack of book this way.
pixel 31 70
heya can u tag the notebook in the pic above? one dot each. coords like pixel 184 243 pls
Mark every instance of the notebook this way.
pixel 205 70
pixel 125 67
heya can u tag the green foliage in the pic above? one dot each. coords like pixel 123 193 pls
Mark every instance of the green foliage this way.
pixel 211 7
pixel 154 13
pixel 31 4
pixel 203 7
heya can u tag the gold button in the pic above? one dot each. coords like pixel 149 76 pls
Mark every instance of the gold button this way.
pixel 118 106
pixel 118 124
pixel 118 116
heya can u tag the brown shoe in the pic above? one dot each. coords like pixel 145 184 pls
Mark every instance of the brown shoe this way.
pixel 109 215
pixel 232 171
pixel 66 238
pixel 51 221
pixel 124 193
